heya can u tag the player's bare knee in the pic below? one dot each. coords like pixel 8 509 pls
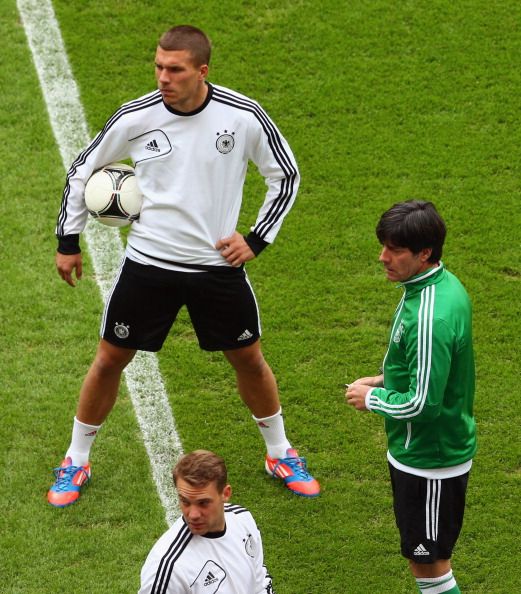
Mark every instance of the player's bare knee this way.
pixel 110 359
pixel 247 361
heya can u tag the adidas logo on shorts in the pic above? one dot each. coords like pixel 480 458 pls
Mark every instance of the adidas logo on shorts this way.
pixel 420 550
pixel 245 335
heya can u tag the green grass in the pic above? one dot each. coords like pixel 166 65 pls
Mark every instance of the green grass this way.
pixel 380 102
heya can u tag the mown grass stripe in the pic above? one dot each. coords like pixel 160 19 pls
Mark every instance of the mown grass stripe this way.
pixel 105 247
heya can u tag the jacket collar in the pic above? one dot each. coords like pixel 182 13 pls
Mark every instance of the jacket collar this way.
pixel 427 277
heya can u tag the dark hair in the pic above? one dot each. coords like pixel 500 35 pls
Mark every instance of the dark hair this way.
pixel 414 224
pixel 201 467
pixel 186 37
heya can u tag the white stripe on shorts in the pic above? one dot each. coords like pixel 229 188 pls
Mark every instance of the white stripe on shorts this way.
pixel 432 508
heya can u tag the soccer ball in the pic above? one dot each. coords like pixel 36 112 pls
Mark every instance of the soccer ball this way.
pixel 112 195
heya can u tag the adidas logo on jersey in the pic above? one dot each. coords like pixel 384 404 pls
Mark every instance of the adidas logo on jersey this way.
pixel 210 579
pixel 421 550
pixel 245 335
pixel 153 146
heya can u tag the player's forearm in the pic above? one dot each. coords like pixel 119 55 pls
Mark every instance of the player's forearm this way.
pixel 378 381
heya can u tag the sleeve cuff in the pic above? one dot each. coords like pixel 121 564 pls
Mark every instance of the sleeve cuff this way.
pixel 255 243
pixel 69 244
pixel 367 398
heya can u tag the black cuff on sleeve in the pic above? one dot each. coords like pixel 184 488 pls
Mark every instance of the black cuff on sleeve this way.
pixel 69 244
pixel 255 243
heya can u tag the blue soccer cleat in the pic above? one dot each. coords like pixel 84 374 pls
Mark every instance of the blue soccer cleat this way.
pixel 293 471
pixel 69 481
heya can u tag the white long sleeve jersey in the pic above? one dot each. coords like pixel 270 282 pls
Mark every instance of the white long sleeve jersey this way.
pixel 190 169
pixel 229 563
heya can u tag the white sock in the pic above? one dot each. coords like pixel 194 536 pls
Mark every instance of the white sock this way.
pixel 272 430
pixel 439 585
pixel 82 439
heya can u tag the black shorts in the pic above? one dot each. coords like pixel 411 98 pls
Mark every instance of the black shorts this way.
pixel 145 301
pixel 429 514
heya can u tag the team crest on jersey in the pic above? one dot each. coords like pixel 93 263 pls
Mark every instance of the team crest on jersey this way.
pixel 398 334
pixel 249 546
pixel 121 330
pixel 225 142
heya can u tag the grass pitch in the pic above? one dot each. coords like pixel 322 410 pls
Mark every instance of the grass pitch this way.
pixel 380 102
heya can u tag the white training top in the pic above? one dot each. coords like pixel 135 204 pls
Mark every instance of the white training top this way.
pixel 190 168
pixel 227 563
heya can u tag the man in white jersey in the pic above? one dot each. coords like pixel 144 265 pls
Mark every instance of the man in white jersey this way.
pixel 215 546
pixel 190 142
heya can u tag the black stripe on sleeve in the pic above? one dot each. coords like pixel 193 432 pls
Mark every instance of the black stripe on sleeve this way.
pixel 142 103
pixel 288 166
pixel 166 565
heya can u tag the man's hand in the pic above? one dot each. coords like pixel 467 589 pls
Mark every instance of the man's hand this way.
pixel 66 264
pixel 375 381
pixel 355 395
pixel 355 392
pixel 235 249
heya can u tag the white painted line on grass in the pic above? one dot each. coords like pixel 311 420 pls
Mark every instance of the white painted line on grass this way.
pixel 69 126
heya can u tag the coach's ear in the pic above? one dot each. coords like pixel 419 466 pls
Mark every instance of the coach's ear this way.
pixel 227 493
pixel 425 255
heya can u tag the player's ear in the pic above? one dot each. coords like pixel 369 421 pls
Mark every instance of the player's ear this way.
pixel 227 493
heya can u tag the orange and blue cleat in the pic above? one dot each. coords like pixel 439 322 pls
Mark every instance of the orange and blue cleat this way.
pixel 69 480
pixel 293 471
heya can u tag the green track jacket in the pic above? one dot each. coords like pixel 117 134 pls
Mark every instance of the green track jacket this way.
pixel 429 376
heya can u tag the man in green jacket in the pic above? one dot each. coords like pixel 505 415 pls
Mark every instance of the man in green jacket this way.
pixel 425 393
